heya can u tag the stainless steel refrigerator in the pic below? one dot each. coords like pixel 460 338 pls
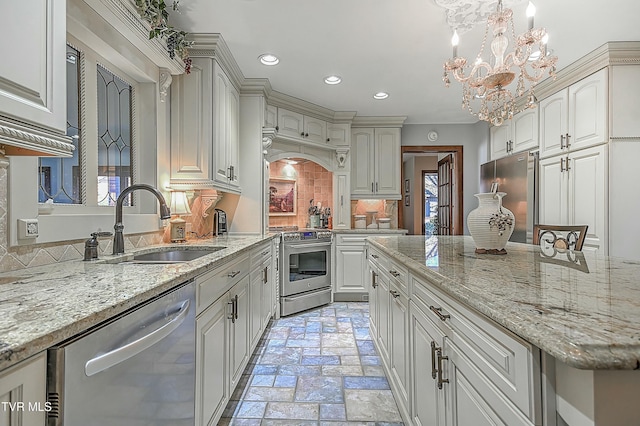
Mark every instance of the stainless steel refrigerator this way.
pixel 517 175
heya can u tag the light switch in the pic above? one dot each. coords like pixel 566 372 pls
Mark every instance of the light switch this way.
pixel 27 228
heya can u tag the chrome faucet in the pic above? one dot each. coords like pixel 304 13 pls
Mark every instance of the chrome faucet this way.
pixel 118 238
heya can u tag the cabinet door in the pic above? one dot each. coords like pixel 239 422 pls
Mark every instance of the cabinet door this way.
pixel 239 335
pixel 500 140
pixel 25 382
pixel 212 383
pixel 268 287
pixel 372 288
pixel 338 134
pixel 399 359
pixel 221 89
pixel 255 304
pixel 427 401
pixel 35 88
pixel 191 125
pixel 270 116
pixel 553 191
pixel 351 263
pixel 524 130
pixel 588 111
pixel 315 130
pixel 387 163
pixel 290 123
pixel 384 312
pixel 233 142
pixel 553 123
pixel 362 162
pixel 587 183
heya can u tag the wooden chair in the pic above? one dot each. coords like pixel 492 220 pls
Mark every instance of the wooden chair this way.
pixel 560 236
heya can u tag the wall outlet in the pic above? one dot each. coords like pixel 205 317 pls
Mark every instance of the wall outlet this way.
pixel 27 228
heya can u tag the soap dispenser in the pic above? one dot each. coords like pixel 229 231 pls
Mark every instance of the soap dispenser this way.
pixel 91 245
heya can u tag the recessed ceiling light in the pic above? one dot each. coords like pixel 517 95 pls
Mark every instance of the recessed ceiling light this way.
pixel 268 59
pixel 333 79
pixel 381 95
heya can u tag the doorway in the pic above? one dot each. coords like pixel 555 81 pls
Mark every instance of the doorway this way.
pixel 429 203
pixel 450 206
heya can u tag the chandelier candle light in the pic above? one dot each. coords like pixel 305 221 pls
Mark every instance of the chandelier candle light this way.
pixel 488 82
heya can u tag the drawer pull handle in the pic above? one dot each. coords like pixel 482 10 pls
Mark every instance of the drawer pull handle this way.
pixel 233 311
pixel 438 312
pixel 440 358
pixel 266 252
pixel 394 293
pixel 375 256
pixel 233 274
pixel 374 279
pixel 394 272
pixel 434 370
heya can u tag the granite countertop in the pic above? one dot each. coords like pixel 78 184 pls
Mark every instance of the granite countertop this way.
pixel 584 312
pixel 369 231
pixel 45 305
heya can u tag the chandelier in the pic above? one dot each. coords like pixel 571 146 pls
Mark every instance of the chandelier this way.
pixel 488 82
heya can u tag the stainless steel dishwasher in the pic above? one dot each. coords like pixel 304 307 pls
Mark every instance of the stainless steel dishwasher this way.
pixel 136 369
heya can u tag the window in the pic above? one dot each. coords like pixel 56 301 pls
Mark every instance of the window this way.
pixel 110 141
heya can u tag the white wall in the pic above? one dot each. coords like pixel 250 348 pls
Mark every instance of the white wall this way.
pixel 474 139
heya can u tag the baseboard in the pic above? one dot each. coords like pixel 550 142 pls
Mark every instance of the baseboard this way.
pixel 350 297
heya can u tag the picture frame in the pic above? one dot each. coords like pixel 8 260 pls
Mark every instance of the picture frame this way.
pixel 282 197
pixel 407 200
pixel 407 185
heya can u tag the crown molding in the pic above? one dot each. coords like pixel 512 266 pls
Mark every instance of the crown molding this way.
pixel 212 45
pixel 611 53
pixel 389 121
pixel 256 86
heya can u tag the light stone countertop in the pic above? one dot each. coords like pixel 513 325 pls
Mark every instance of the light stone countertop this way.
pixel 584 313
pixel 45 305
pixel 369 231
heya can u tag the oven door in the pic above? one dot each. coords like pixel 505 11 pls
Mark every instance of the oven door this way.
pixel 306 266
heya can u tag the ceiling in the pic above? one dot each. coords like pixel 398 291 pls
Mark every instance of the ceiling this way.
pixel 396 46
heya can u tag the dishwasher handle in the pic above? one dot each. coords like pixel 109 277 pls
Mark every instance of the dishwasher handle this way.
pixel 123 353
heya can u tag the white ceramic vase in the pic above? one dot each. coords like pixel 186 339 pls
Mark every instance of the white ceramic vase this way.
pixel 490 224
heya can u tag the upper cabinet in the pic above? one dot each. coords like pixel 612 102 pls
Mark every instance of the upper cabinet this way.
pixel 270 116
pixel 33 115
pixel 575 117
pixel 518 134
pixel 297 125
pixel 205 126
pixel 375 163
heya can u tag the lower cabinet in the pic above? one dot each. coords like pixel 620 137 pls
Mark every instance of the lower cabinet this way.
pixel 234 302
pixel 447 364
pixel 26 384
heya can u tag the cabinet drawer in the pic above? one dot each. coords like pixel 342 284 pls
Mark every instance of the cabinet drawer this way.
pixel 377 259
pixel 260 255
pixel 399 275
pixel 211 285
pixel 351 239
pixel 507 361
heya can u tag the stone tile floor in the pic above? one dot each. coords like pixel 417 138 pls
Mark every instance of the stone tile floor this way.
pixel 315 368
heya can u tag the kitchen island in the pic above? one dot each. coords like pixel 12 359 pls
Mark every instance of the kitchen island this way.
pixel 579 310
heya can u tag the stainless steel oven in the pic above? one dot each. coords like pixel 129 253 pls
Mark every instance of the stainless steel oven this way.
pixel 306 271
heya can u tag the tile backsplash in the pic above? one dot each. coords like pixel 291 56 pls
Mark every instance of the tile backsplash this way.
pixel 383 208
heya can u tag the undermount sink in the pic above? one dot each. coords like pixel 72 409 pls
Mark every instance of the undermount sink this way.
pixel 174 255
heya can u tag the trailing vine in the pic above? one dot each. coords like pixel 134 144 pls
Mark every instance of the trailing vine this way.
pixel 156 14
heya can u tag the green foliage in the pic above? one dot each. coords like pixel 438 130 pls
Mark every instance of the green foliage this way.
pixel 156 14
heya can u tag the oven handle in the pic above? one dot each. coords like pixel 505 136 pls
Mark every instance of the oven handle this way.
pixel 307 245
pixel 123 353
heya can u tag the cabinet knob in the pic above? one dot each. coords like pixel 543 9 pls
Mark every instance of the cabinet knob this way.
pixel 302 134
pixel 277 128
pixel 328 139
pixel 306 135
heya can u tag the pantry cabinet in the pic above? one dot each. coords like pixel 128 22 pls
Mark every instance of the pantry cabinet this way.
pixel 573 191
pixel 575 117
pixel 375 163
pixel 25 383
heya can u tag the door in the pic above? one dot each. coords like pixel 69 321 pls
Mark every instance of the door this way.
pixel 221 89
pixel 553 123
pixel 387 160
pixel 351 263
pixel 525 130
pixel 500 140
pixel 362 162
pixel 239 334
pixel 429 202
pixel 588 111
pixel 444 196
pixel 553 191
pixel 267 292
pixel 384 310
pixel 399 365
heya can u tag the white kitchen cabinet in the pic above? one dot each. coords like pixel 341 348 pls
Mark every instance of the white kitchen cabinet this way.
pixel 382 339
pixel 24 383
pixel 222 336
pixel 205 127
pixel 338 134
pixel 260 292
pixel 34 89
pixel 270 116
pixel 342 207
pixel 226 114
pixel 297 125
pixel 575 117
pixel 399 350
pixel 573 191
pixel 375 163
pixel 515 135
